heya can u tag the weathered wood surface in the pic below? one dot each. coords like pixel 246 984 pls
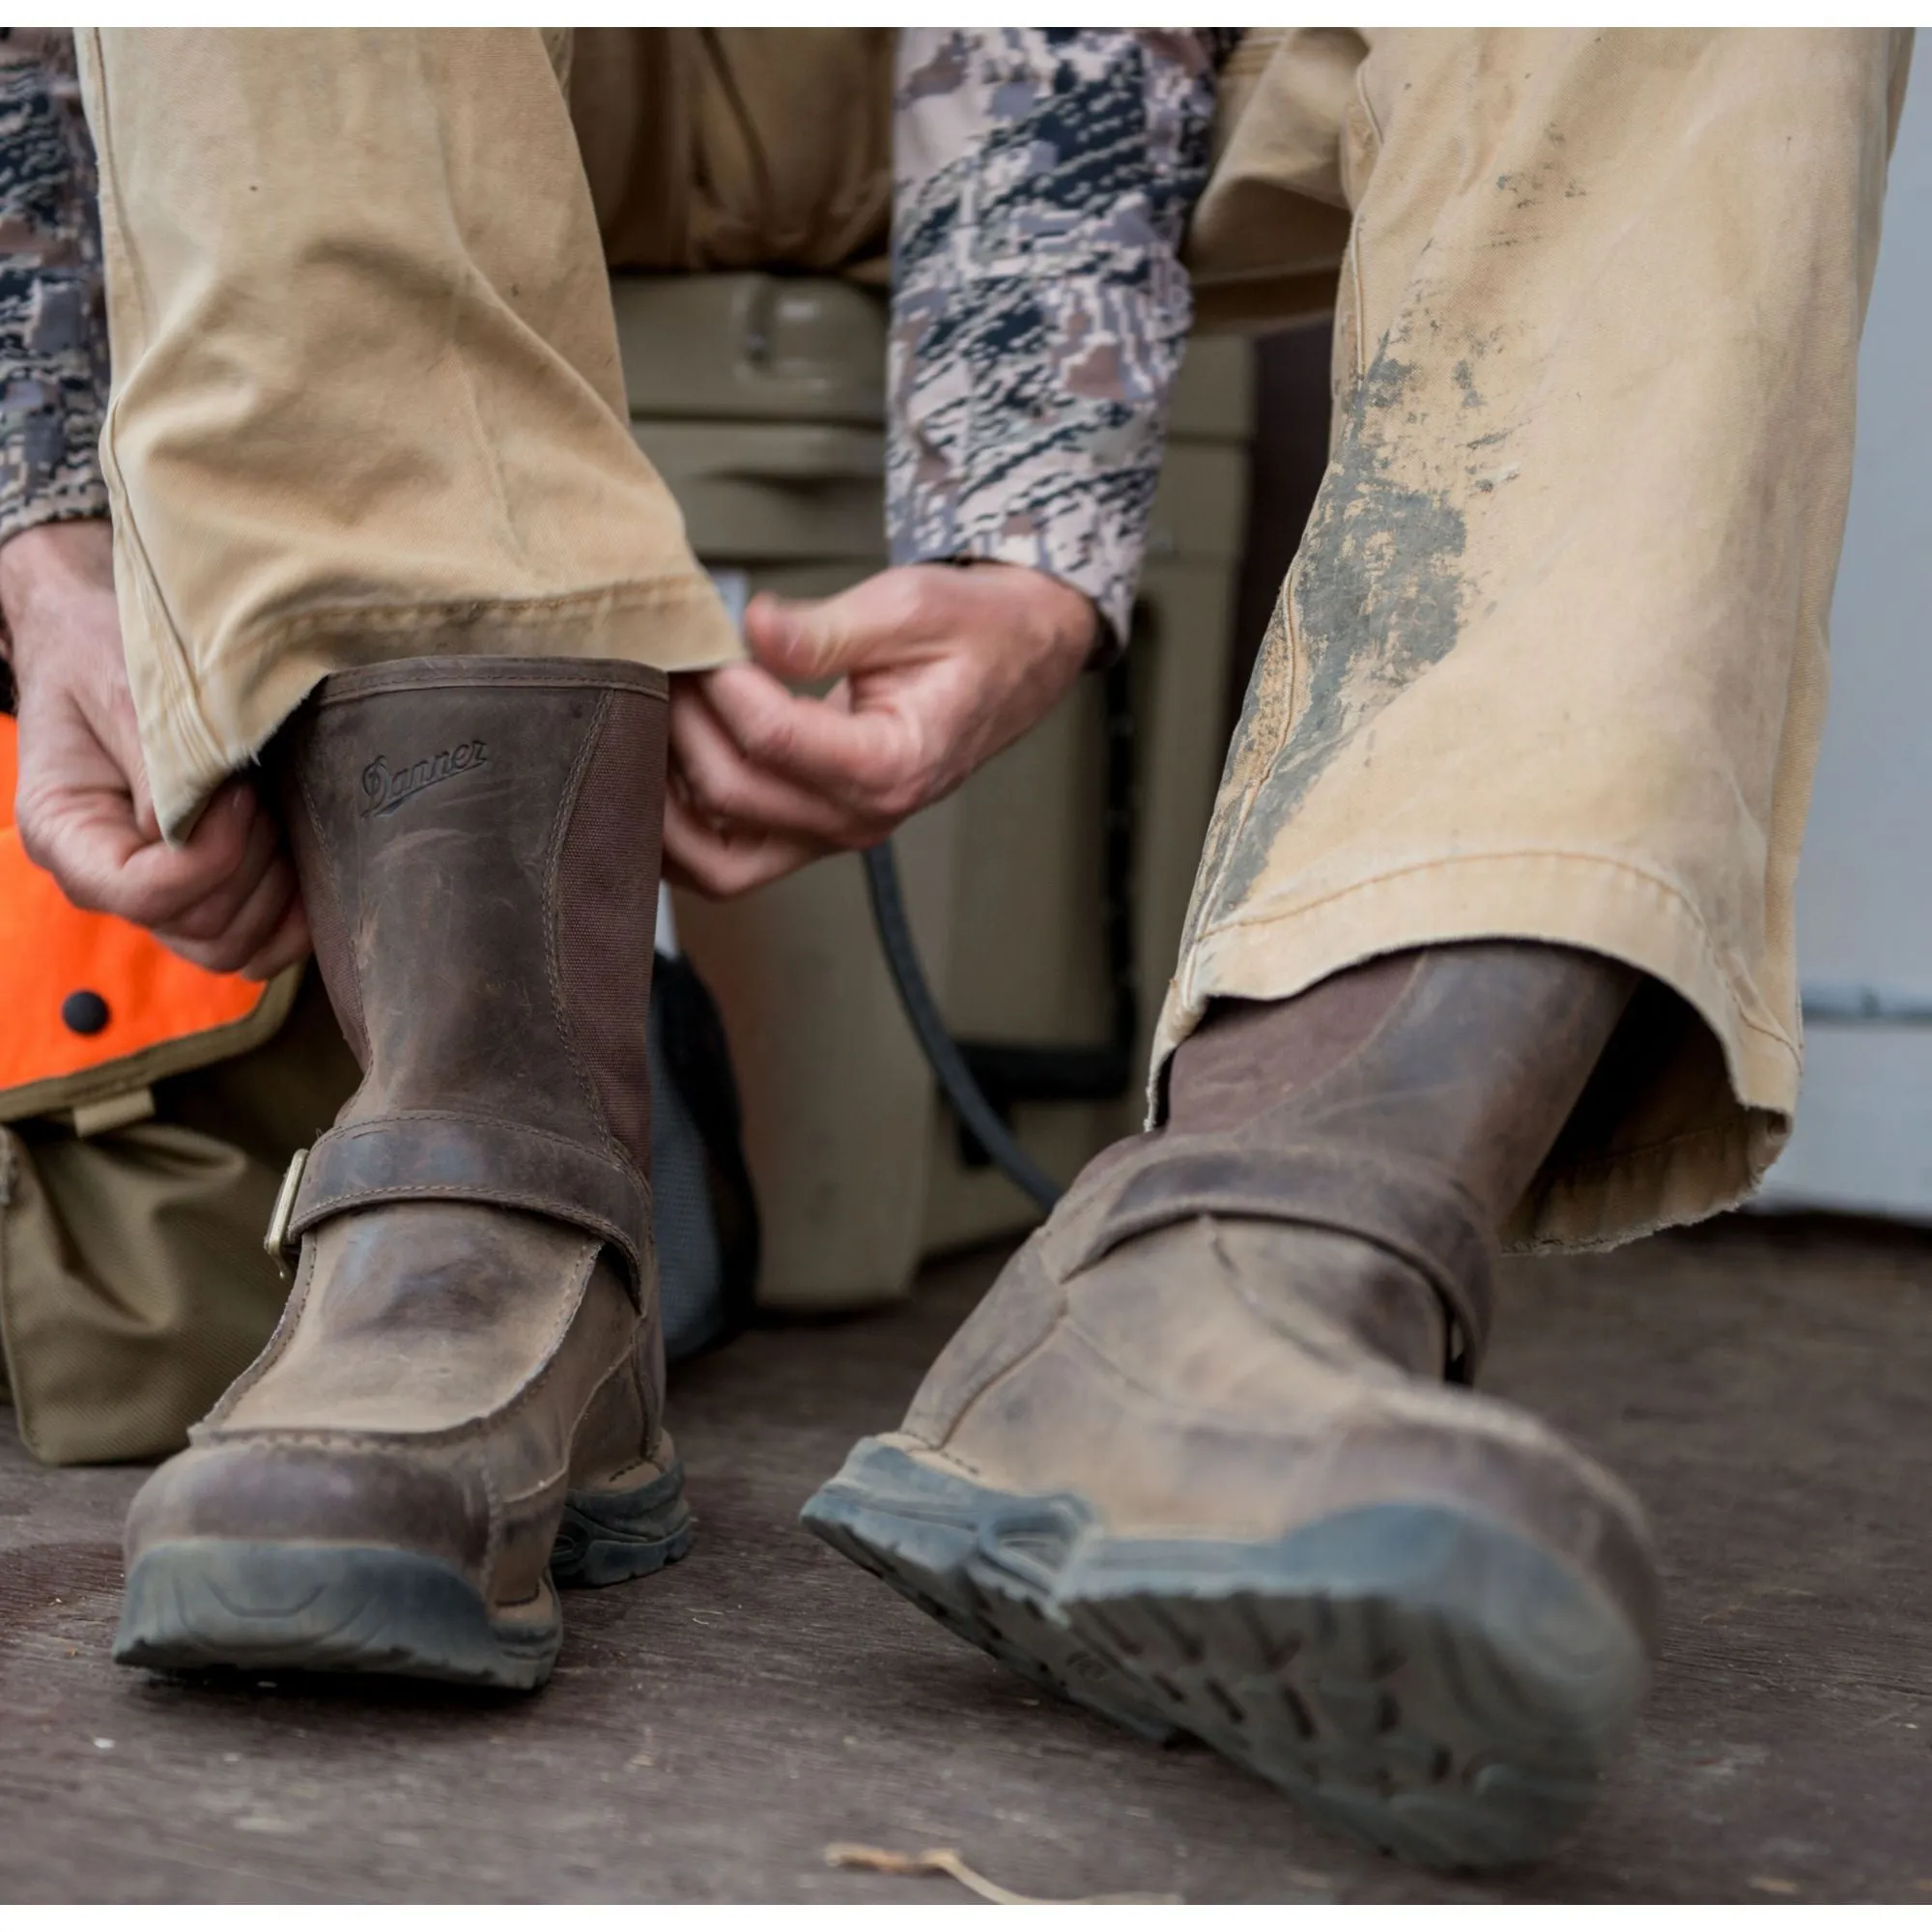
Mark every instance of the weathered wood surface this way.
pixel 1766 1386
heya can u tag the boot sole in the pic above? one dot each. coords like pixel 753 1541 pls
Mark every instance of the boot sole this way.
pixel 986 1565
pixel 1416 1676
pixel 613 1536
pixel 207 1604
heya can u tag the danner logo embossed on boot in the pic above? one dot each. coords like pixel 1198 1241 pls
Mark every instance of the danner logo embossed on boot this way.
pixel 388 787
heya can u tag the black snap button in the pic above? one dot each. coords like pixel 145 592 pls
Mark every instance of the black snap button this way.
pixel 84 1012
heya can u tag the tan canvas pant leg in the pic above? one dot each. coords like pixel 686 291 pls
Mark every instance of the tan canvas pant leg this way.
pixel 367 401
pixel 732 148
pixel 1550 662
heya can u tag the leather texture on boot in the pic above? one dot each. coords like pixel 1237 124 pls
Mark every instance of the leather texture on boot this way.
pixel 1202 1461
pixel 469 1376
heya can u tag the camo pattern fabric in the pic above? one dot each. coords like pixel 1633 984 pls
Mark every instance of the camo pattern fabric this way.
pixel 53 322
pixel 1042 179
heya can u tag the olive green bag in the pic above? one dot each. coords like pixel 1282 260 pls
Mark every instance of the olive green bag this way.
pixel 134 1283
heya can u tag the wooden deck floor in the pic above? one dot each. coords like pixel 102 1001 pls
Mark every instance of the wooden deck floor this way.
pixel 1765 1385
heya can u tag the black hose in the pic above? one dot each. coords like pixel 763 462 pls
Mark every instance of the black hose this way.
pixel 881 881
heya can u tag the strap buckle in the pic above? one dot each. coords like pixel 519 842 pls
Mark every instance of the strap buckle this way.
pixel 276 1243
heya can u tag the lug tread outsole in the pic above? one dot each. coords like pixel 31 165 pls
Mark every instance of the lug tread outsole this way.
pixel 939 1566
pixel 203 1604
pixel 208 1604
pixel 1416 1676
pixel 614 1536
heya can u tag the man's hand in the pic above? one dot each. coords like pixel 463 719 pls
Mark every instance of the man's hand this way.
pixel 225 899
pixel 937 669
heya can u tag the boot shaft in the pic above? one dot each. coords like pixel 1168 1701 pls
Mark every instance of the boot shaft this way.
pixel 478 843
pixel 1467 1057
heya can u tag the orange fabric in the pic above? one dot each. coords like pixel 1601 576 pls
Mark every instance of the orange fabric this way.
pixel 49 950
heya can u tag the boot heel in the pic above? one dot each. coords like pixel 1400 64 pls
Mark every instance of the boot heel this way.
pixel 611 1536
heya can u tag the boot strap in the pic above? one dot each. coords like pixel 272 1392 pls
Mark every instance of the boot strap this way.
pixel 432 1155
pixel 1423 1217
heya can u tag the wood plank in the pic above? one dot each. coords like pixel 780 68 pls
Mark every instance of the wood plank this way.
pixel 1765 1385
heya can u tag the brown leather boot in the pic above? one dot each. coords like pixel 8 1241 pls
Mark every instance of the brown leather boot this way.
pixel 1204 1458
pixel 463 1401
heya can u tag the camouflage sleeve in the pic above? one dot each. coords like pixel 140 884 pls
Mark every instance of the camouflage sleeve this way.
pixel 1042 179
pixel 53 328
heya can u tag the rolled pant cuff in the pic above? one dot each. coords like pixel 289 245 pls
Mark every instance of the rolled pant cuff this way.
pixel 196 735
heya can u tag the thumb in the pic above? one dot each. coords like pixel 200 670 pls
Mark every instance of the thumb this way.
pixel 811 639
pixel 793 639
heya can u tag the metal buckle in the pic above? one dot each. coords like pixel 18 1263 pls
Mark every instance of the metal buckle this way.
pixel 275 1242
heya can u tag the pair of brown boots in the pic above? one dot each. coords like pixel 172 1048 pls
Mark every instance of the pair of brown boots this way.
pixel 1205 1459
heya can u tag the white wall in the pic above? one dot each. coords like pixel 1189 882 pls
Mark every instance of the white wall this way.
pixel 1863 1139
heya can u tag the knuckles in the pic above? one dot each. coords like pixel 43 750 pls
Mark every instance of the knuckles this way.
pixel 765 739
pixel 719 876
pixel 35 842
pixel 202 925
pixel 42 843
pixel 716 793
pixel 898 799
pixel 214 956
pixel 900 781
